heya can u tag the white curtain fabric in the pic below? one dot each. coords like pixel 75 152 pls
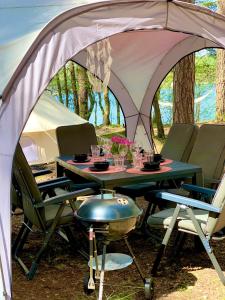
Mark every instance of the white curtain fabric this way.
pixel 166 26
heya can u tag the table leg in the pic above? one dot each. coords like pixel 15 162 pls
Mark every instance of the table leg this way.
pixel 197 179
pixel 59 170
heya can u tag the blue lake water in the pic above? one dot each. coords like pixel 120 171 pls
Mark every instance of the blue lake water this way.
pixel 205 104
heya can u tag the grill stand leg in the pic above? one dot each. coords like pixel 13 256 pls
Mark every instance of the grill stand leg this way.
pixel 134 259
pixel 97 272
pixel 91 283
pixel 148 282
pixel 100 295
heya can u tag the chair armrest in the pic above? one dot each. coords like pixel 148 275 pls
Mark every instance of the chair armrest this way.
pixel 198 189
pixel 61 198
pixel 187 201
pixel 42 172
pixel 54 183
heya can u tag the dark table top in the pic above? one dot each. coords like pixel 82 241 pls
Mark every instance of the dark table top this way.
pixel 179 170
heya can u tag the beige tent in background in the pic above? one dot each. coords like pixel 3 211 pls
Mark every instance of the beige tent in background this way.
pixel 38 139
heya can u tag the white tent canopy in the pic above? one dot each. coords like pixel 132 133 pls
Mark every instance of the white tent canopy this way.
pixel 147 39
pixel 38 139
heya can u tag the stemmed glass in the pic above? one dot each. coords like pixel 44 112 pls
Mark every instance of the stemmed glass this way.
pixel 106 146
pixel 123 149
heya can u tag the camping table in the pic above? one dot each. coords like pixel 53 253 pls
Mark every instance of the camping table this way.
pixel 109 181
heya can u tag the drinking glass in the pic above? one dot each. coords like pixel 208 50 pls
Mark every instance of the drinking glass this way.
pixel 137 160
pixel 123 149
pixel 107 145
pixel 119 162
pixel 95 152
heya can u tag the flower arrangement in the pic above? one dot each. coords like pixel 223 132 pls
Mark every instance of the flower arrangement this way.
pixel 117 141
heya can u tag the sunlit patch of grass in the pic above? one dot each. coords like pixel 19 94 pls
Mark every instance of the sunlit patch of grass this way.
pixel 129 292
pixel 122 296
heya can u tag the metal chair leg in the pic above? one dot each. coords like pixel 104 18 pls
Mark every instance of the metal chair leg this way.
pixel 17 240
pixel 165 240
pixel 149 211
pixel 30 274
pixel 21 239
pixel 179 243
pixel 208 248
pixel 76 245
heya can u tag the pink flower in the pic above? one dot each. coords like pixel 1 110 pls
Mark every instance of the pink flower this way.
pixel 121 140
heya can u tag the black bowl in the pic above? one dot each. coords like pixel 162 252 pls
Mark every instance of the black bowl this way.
pixel 80 157
pixel 151 165
pixel 101 165
pixel 157 157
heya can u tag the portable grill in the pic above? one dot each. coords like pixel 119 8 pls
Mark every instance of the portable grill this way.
pixel 112 216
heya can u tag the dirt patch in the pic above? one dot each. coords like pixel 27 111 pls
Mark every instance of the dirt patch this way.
pixel 61 272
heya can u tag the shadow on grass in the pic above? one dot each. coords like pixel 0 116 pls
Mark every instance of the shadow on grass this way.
pixel 61 272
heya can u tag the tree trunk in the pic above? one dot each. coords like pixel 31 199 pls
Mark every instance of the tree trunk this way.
pixel 118 112
pixel 91 97
pixel 74 89
pixel 183 89
pixel 158 119
pixel 106 119
pixel 220 75
pixel 66 86
pixel 96 114
pixel 59 88
pixel 100 103
pixel 82 92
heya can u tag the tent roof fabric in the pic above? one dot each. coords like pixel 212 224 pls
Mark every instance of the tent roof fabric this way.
pixel 27 19
pixel 148 38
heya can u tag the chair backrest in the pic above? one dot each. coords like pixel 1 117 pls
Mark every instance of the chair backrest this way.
pixel 76 139
pixel 209 151
pixel 30 193
pixel 180 141
pixel 16 200
pixel 216 222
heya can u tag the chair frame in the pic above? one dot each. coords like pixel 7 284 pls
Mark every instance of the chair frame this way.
pixel 26 227
pixel 188 204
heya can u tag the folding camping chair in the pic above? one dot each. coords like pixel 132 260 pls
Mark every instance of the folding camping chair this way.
pixel 47 188
pixel 191 216
pixel 208 152
pixel 177 147
pixel 76 139
pixel 47 215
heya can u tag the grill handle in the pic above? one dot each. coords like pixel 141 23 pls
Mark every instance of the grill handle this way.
pixel 107 190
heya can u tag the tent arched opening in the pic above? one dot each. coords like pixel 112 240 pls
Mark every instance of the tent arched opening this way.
pixel 173 29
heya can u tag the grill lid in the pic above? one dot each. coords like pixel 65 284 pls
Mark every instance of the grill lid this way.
pixel 108 208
